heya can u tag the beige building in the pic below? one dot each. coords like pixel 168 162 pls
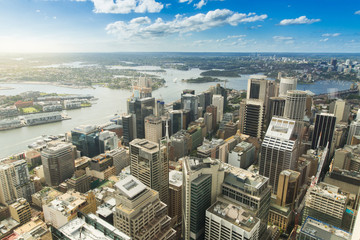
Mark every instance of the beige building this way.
pixel 44 196
pixel 64 208
pixel 149 164
pixel 288 188
pixel 20 211
pixel 35 229
pixel 140 214
pixel 153 128
pixel 175 186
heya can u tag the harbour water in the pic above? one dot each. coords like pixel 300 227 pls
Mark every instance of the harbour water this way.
pixel 112 101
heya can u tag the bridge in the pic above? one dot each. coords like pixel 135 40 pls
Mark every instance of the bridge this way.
pixel 337 94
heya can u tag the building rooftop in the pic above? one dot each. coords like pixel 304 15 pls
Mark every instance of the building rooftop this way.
pixel 329 191
pixel 7 225
pixel 281 128
pixel 208 145
pixel 85 129
pixel 146 145
pixel 80 229
pixel 47 194
pixel 130 186
pixel 195 163
pixel 234 214
pixel 175 178
pixel 243 146
pixel 67 202
pixel 41 115
pixel 320 230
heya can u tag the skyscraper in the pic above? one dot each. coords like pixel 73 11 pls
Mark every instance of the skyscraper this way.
pixel 287 84
pixel 149 164
pixel 295 105
pixel 323 130
pixel 276 108
pixel 141 108
pixel 129 128
pixel 59 163
pixel 278 150
pixel 213 110
pixel 190 102
pixel 140 214
pixel 201 185
pixel 15 181
pixel 176 117
pixel 218 102
pixel 288 188
pixel 153 128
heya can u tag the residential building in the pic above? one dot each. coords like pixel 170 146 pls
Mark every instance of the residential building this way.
pixel 20 211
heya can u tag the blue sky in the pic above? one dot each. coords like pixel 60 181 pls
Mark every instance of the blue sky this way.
pixel 180 25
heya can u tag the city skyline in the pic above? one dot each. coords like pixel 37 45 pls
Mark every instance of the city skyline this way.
pixel 177 26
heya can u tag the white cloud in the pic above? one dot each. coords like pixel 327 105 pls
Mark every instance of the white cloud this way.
pixel 54 17
pixel 200 4
pixel 331 34
pixel 78 0
pixel 299 20
pixel 281 38
pixel 256 27
pixel 127 6
pixel 183 1
pixel 167 5
pixel 38 10
pixel 357 12
pixel 144 28
pixel 324 40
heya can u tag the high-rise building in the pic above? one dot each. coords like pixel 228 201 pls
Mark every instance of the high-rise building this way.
pixel 208 119
pixel 213 110
pixel 175 188
pixel 276 108
pixel 295 105
pixel 149 164
pixel 250 190
pixel 120 159
pixel 287 84
pixel 59 163
pixel 326 203
pixel 153 128
pixel 218 102
pixel 15 181
pixel 129 128
pixel 354 130
pixel 278 150
pixel 201 186
pixel 288 188
pixel 313 229
pixel 64 208
pixel 176 118
pixel 190 102
pixel 140 214
pixel 85 138
pixel 181 143
pixel 341 110
pixel 252 118
pixel 141 108
pixel 323 130
pixel 230 221
pixel 242 156
pixel 20 211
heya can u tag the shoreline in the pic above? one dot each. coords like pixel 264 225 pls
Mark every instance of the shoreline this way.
pixel 41 83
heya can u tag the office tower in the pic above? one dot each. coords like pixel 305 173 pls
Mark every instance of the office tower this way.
pixel 129 128
pixel 208 119
pixel 89 227
pixel 181 142
pixel 59 163
pixel 153 128
pixel 218 102
pixel 278 150
pixel 295 105
pixel 201 186
pixel 149 164
pixel 65 207
pixel 208 98
pixel 86 140
pixel 108 141
pixel 287 84
pixel 276 107
pixel 176 117
pixel 326 203
pixel 120 159
pixel 177 105
pixel 260 89
pixel 190 103
pixel 213 110
pixel 201 97
pixel 80 182
pixel 313 229
pixel 341 110
pixel 323 130
pixel 159 108
pixel 288 188
pixel 20 211
pixel 15 181
pixel 140 214
pixel 141 108
pixel 242 156
pixel 252 118
pixel 250 190
pixel 354 130
pixel 175 187
pixel 226 220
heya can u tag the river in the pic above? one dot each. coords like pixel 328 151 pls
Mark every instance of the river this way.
pixel 111 102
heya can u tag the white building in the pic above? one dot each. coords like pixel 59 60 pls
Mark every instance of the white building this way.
pixel 218 101
pixel 153 128
pixel 287 84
